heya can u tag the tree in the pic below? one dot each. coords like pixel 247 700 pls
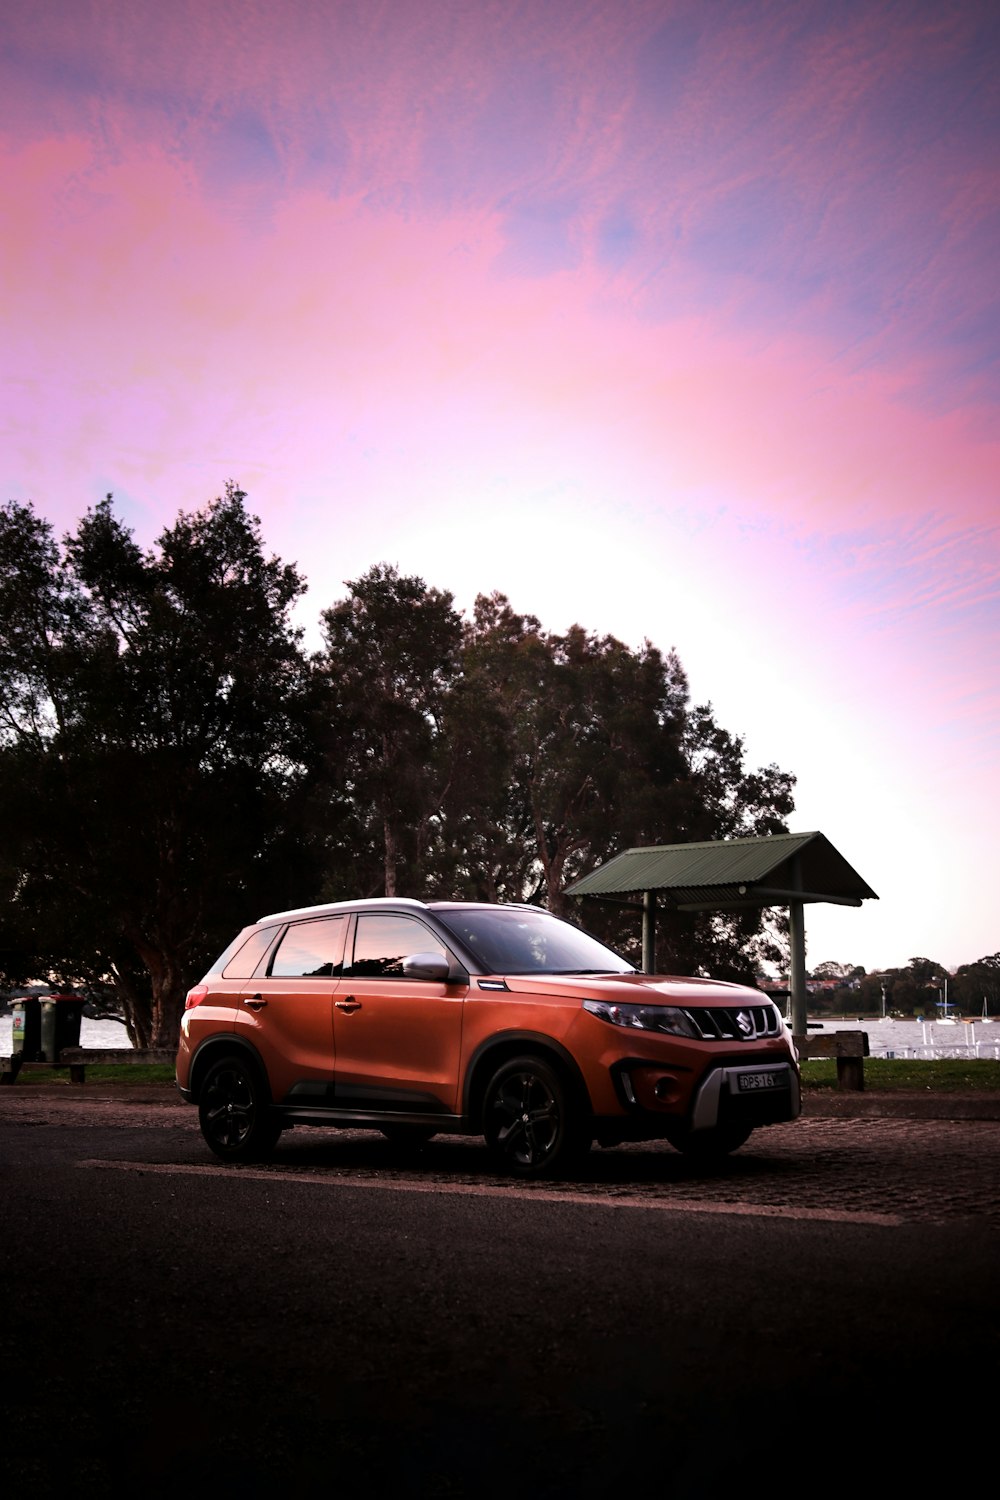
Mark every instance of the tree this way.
pixel 923 982
pixel 835 988
pixel 491 759
pixel 390 659
pixel 845 973
pixel 568 748
pixel 718 798
pixel 172 762
pixel 555 743
pixel 976 986
pixel 154 745
pixel 916 990
pixel 484 845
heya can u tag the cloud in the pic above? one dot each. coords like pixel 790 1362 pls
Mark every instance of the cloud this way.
pixel 830 172
pixel 678 318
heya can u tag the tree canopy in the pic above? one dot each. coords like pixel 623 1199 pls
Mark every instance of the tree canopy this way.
pixel 494 760
pixel 154 717
pixel 920 988
pixel 173 762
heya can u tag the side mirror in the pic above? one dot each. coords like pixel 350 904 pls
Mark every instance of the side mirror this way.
pixel 426 966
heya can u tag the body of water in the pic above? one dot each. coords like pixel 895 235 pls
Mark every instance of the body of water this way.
pixel 92 1033
pixel 926 1039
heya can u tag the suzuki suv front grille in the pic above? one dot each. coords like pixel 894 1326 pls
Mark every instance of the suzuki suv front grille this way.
pixel 747 1023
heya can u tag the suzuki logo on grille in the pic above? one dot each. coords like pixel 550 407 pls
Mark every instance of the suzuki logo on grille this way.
pixel 744 1021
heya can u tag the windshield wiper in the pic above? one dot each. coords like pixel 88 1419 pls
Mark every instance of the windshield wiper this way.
pixel 583 973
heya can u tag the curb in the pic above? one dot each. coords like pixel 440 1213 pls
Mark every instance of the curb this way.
pixel 911 1105
pixel 81 1093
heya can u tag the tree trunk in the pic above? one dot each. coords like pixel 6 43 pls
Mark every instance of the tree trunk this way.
pixel 168 1007
pixel 157 1022
pixel 137 1018
pixel 391 855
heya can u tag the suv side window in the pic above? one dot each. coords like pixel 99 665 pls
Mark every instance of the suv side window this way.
pixel 382 942
pixel 311 950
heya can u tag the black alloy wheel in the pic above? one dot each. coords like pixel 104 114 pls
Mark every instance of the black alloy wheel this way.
pixel 528 1119
pixel 233 1111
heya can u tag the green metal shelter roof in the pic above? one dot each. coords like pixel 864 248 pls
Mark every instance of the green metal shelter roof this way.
pixel 768 871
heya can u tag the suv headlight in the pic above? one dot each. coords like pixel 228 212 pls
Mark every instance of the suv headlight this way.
pixel 666 1018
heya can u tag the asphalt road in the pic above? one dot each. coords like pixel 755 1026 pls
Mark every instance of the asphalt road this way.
pixel 820 1311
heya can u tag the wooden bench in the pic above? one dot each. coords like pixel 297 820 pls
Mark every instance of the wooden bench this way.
pixel 850 1048
pixel 78 1059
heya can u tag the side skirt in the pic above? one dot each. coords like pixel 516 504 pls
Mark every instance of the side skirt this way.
pixel 356 1119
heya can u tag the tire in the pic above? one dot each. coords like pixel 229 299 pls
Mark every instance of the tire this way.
pixel 529 1120
pixel 710 1145
pixel 408 1137
pixel 234 1112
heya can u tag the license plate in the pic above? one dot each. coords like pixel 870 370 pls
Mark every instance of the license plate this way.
pixel 749 1083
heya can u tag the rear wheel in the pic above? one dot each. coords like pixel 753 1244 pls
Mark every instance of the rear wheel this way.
pixel 709 1145
pixel 529 1119
pixel 234 1112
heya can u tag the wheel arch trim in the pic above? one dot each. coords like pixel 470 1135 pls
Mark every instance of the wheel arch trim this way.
pixel 494 1050
pixel 218 1046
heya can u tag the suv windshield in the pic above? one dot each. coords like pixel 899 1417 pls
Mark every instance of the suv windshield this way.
pixel 529 942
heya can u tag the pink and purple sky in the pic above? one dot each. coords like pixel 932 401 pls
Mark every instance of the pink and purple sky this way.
pixel 676 319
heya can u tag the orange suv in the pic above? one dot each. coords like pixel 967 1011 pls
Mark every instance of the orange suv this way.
pixel 415 1018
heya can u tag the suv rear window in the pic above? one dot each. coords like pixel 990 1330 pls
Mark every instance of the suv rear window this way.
pixel 311 950
pixel 246 958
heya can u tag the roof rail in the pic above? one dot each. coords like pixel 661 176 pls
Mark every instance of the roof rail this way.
pixel 406 902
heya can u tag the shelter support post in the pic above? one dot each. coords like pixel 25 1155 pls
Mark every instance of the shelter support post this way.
pixel 797 933
pixel 649 932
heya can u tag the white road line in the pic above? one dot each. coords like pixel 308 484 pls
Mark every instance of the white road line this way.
pixel 508 1191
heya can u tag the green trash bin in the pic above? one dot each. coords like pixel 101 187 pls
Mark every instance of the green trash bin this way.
pixel 26 1042
pixel 60 1024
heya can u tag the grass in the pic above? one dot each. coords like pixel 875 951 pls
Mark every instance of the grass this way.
pixel 104 1073
pixel 953 1075
pixel 946 1076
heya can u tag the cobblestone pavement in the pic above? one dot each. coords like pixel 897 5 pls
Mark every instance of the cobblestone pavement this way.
pixel 843 1168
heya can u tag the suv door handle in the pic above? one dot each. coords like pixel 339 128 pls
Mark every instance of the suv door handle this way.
pixel 255 1002
pixel 348 1003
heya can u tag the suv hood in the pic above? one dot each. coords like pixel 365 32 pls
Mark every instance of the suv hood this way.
pixel 637 989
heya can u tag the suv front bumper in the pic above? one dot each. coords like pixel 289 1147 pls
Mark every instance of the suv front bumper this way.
pixel 747 1094
pixel 655 1096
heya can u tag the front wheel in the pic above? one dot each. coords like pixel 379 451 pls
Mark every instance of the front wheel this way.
pixel 710 1145
pixel 234 1113
pixel 529 1120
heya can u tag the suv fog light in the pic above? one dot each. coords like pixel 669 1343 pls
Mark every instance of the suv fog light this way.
pixel 664 1088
